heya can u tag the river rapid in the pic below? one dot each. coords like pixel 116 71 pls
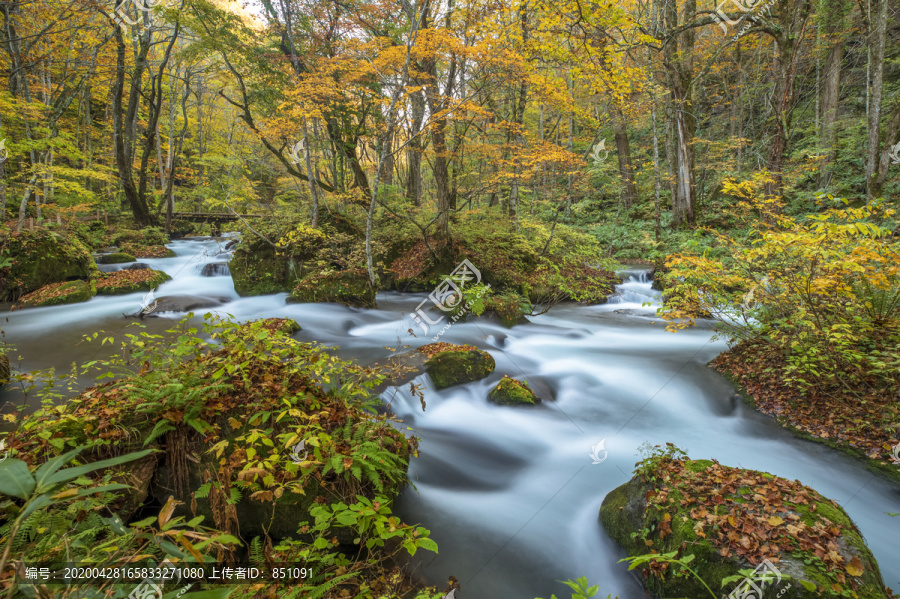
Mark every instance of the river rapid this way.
pixel 512 494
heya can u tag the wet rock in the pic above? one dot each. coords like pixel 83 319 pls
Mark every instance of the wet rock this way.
pixel 668 504
pixel 137 266
pixel 187 303
pixel 350 287
pixel 457 365
pixel 55 294
pixel 232 244
pixel 129 281
pixel 512 392
pixel 215 269
pixel 115 258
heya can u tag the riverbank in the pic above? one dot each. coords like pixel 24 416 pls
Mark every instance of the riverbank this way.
pixel 864 430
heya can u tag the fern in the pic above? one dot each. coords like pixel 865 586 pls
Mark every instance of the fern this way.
pixel 257 553
pixel 161 428
pixel 321 590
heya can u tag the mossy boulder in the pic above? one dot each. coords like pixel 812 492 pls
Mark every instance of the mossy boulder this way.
pixel 350 287
pixel 68 292
pixel 512 392
pixel 257 269
pixel 260 464
pixel 148 251
pixel 731 519
pixel 449 364
pixel 146 236
pixel 39 258
pixel 115 258
pixel 130 281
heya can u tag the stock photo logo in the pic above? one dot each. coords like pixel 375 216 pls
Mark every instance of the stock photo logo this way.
pixel 295 452
pixel 748 302
pixel 448 297
pixel 297 152
pixel 595 155
pixel 595 452
pixel 141 6
pixel 152 588
pixel 723 20
pixel 894 154
pixel 895 454
pixel 4 152
pixel 3 450
pixel 753 585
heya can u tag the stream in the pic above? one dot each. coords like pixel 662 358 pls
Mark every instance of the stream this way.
pixel 512 494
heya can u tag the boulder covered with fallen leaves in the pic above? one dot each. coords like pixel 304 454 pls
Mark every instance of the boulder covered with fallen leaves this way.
pixel 724 522
pixel 512 392
pixel 67 292
pixel 130 281
pixel 449 364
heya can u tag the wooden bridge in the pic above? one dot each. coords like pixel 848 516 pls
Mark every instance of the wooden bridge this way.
pixel 212 217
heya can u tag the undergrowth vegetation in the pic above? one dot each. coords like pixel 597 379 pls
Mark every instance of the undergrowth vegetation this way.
pixel 268 450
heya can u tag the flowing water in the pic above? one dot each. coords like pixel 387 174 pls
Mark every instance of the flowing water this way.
pixel 511 494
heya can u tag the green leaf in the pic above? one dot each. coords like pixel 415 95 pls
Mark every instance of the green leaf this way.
pixel 73 473
pixel 428 545
pixel 16 479
pixel 48 468
pixel 809 586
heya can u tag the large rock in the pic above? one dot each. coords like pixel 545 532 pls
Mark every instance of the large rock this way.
pixel 215 269
pixel 450 365
pixel 129 281
pixel 69 292
pixel 187 303
pixel 512 392
pixel 257 269
pixel 39 258
pixel 349 287
pixel 115 258
pixel 730 519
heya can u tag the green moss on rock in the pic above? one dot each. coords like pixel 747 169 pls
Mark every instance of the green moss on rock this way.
pixel 257 269
pixel 684 506
pixel 115 258
pixel 39 258
pixel 512 392
pixel 69 292
pixel 350 287
pixel 448 368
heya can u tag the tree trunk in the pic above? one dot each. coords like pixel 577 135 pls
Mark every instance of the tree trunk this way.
pixel 879 28
pixel 415 149
pixel 830 94
pixel 626 172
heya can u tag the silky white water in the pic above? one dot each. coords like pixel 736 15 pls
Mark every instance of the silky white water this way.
pixel 511 494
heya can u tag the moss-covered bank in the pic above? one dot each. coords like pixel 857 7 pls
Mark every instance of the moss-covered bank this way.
pixel 38 258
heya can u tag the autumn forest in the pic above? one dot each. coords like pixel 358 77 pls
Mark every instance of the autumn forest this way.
pixel 449 300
